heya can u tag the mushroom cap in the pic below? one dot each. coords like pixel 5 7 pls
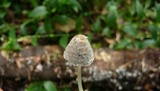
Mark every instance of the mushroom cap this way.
pixel 79 52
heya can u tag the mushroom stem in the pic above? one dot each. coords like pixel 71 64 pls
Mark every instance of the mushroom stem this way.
pixel 79 79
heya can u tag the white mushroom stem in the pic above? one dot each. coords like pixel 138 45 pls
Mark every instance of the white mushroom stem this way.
pixel 79 79
pixel 81 44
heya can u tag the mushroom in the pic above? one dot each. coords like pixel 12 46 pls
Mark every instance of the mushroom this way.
pixel 79 53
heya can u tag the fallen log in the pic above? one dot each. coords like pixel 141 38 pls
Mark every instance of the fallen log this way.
pixel 115 68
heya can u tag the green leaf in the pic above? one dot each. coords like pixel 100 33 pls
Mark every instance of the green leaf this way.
pixel 153 29
pixel 36 86
pixel 40 30
pixel 137 44
pixel 15 45
pixel 106 31
pixel 34 2
pixel 75 5
pixel 79 23
pixel 2 14
pixel 23 28
pixel 96 45
pixel 7 45
pixel 139 9
pixel 112 16
pixel 97 25
pixel 63 40
pixel 130 29
pixel 158 11
pixel 38 12
pixel 61 19
pixel 6 3
pixel 66 89
pixel 47 25
pixel 148 43
pixel 34 41
pixel 3 27
pixel 49 86
pixel 132 9
pixel 12 44
pixel 53 4
pixel 123 43
pixel 12 34
pixel 147 3
pixel 63 1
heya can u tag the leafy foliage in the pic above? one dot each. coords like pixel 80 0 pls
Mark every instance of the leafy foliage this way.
pixel 42 86
pixel 128 24
pixel 63 41
pixel 38 12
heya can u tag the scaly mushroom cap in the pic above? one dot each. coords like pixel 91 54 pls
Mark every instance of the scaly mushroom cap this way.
pixel 79 51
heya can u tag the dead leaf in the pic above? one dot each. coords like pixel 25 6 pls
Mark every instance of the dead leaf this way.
pixel 4 54
pixel 24 40
pixel 69 26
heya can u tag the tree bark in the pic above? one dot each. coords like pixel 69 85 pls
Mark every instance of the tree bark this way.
pixel 47 63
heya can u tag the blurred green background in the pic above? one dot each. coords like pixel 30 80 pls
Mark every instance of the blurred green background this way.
pixel 116 24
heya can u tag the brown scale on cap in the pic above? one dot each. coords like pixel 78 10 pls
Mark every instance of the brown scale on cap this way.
pixel 79 51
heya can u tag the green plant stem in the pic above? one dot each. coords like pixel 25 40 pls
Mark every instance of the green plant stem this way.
pixel 79 79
